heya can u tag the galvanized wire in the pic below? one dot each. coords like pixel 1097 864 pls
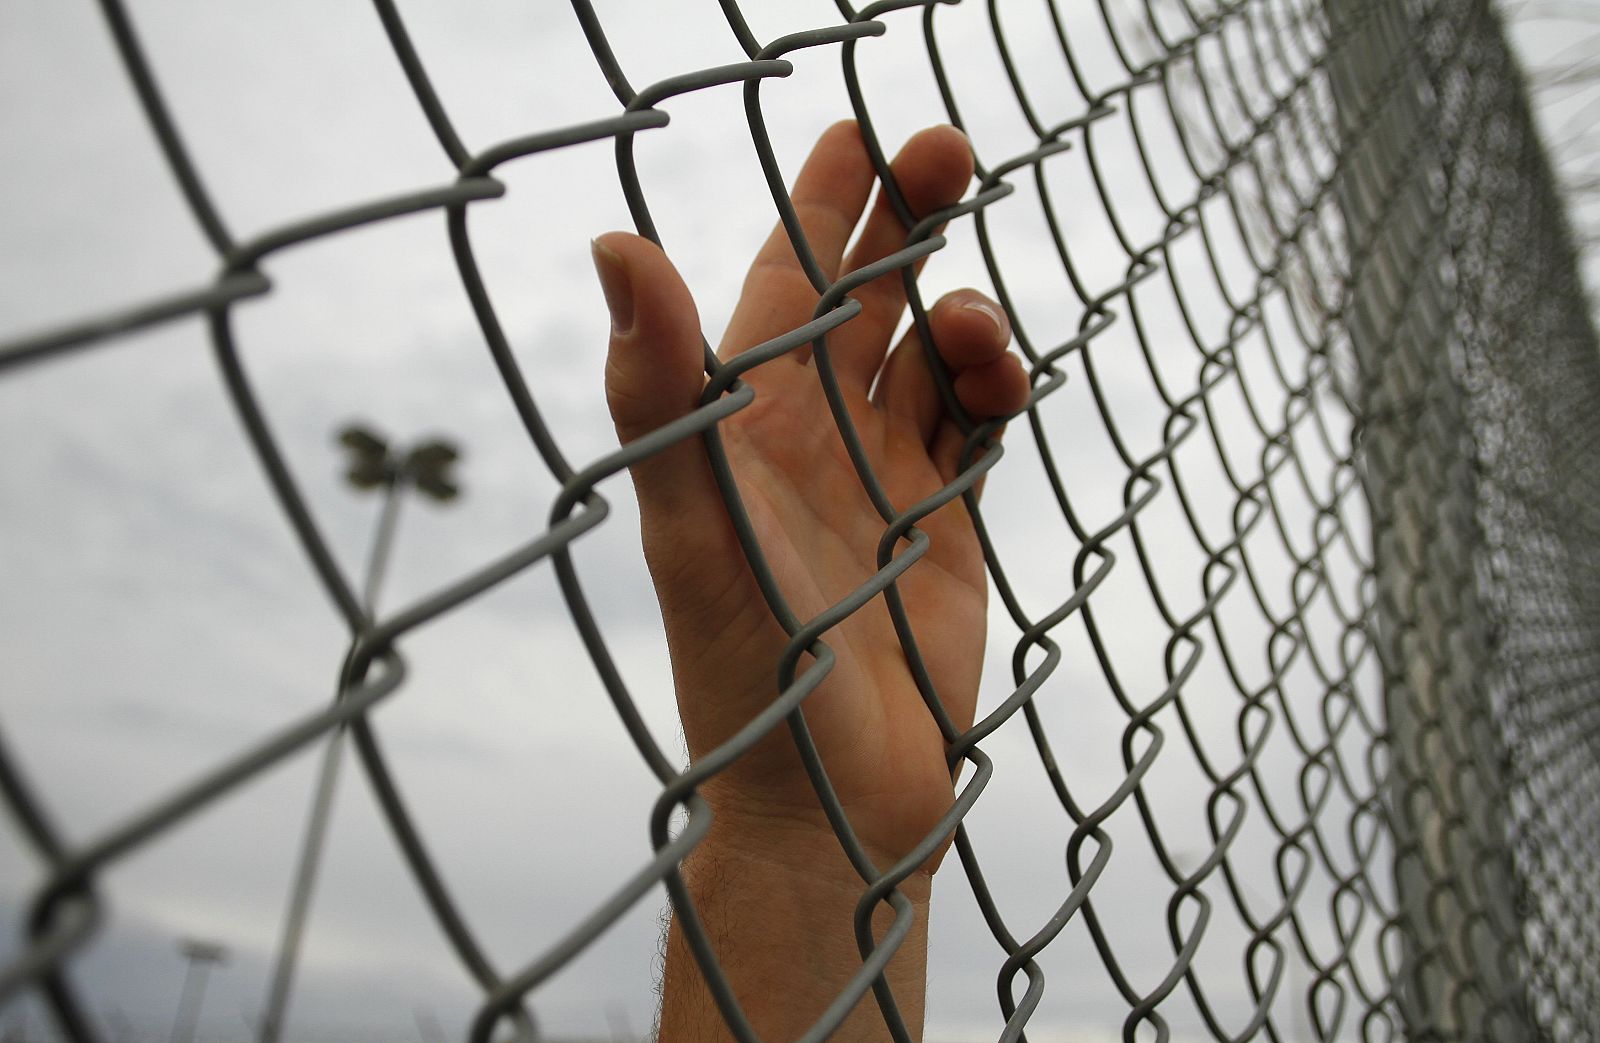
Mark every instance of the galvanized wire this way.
pixel 1400 399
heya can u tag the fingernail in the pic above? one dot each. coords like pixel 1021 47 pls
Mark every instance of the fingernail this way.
pixel 616 286
pixel 989 310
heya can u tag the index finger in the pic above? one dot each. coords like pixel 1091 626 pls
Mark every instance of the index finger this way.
pixel 828 197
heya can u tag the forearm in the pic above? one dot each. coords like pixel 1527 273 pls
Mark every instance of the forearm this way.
pixel 778 906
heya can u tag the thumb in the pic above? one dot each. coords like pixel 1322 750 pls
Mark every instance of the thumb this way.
pixel 654 371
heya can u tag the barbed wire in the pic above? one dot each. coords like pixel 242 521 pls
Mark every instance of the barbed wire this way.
pixel 1333 253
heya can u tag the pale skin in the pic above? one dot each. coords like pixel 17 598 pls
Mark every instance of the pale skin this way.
pixel 770 881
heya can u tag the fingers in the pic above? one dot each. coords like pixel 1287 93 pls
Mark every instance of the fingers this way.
pixel 654 369
pixel 828 197
pixel 933 170
pixel 996 388
pixel 971 333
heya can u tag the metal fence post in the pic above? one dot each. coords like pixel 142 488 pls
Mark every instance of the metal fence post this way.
pixel 1456 917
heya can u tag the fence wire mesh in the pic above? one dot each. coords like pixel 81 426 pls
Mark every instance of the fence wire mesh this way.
pixel 1302 266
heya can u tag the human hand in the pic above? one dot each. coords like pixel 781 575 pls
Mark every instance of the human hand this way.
pixel 816 526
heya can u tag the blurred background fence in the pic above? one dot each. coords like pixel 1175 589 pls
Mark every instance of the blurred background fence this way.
pixel 1290 729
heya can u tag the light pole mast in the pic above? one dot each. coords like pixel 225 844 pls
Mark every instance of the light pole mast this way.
pixel 201 955
pixel 372 465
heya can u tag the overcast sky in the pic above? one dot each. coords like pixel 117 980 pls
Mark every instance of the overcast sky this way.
pixel 1558 40
pixel 158 615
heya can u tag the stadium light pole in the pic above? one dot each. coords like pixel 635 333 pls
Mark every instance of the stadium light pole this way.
pixel 201 956
pixel 372 465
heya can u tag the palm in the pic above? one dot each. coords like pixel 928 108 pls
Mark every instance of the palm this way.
pixel 817 529
pixel 819 534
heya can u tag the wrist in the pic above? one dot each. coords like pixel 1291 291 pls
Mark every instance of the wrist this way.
pixel 778 901
pixel 792 847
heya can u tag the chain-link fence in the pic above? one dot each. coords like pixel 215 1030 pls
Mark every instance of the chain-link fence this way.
pixel 1296 549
